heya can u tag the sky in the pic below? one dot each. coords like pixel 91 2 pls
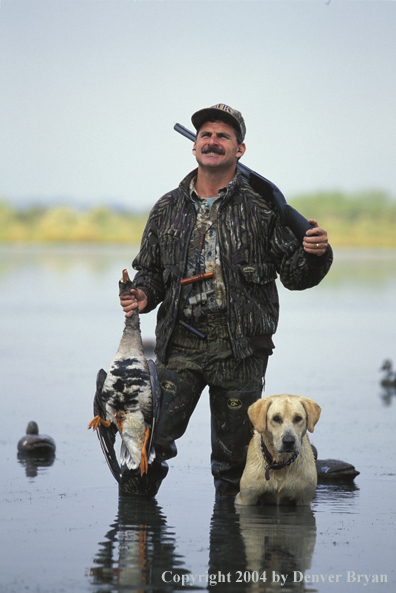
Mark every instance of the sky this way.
pixel 90 91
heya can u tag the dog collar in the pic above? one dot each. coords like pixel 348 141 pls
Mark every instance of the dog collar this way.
pixel 269 459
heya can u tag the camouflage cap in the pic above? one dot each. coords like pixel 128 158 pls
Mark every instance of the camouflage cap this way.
pixel 222 112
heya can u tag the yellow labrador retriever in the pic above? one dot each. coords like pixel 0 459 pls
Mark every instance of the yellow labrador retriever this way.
pixel 280 466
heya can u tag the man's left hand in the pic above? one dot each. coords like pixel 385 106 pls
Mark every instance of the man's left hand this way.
pixel 315 240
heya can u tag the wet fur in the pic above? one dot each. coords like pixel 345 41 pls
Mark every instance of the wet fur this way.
pixel 276 418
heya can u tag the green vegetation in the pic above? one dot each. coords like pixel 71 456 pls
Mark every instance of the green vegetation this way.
pixel 367 219
pixel 63 224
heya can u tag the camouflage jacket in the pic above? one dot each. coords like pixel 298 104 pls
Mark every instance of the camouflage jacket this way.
pixel 255 250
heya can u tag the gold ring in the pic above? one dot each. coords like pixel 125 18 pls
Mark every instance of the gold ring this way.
pixel 317 244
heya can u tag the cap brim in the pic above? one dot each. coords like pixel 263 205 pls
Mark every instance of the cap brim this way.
pixel 207 114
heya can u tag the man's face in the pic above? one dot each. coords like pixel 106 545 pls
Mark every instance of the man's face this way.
pixel 216 146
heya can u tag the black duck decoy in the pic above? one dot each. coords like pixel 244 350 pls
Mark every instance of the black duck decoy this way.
pixel 36 444
pixel 333 469
pixel 389 379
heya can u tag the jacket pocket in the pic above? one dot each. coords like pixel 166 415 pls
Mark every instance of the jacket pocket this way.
pixel 258 273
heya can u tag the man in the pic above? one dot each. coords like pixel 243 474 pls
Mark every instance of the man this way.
pixel 217 330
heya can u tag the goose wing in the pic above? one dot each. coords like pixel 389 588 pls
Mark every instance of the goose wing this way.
pixel 106 434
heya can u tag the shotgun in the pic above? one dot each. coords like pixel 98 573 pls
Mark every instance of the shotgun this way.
pixel 268 190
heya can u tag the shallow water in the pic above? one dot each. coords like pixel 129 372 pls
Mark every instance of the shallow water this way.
pixel 62 525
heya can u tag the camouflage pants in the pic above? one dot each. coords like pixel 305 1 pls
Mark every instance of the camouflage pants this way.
pixel 193 364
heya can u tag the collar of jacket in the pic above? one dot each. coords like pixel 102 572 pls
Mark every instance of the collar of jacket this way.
pixel 232 188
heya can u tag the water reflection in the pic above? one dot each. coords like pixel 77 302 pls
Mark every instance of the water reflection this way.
pixel 367 267
pixel 33 464
pixel 62 259
pixel 387 394
pixel 250 549
pixel 364 266
pixel 338 496
pixel 262 548
pixel 137 550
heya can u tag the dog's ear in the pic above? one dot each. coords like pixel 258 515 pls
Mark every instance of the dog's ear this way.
pixel 258 413
pixel 313 411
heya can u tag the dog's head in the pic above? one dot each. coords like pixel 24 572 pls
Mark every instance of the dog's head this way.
pixel 284 420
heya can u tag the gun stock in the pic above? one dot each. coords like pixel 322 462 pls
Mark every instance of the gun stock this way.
pixel 269 191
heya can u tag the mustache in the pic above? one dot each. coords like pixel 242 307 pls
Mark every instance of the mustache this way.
pixel 214 149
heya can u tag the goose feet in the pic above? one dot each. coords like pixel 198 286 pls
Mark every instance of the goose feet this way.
pixel 95 422
pixel 143 459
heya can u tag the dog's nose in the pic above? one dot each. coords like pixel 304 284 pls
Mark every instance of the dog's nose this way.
pixel 288 441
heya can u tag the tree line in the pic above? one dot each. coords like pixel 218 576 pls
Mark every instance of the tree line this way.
pixel 365 219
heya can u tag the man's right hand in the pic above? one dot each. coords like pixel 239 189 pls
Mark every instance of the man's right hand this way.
pixel 137 299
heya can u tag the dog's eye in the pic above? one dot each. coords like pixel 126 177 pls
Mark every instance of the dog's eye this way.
pixel 297 419
pixel 277 419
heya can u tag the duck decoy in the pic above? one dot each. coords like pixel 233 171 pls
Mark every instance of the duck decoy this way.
pixel 35 444
pixel 335 469
pixel 123 401
pixel 389 380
